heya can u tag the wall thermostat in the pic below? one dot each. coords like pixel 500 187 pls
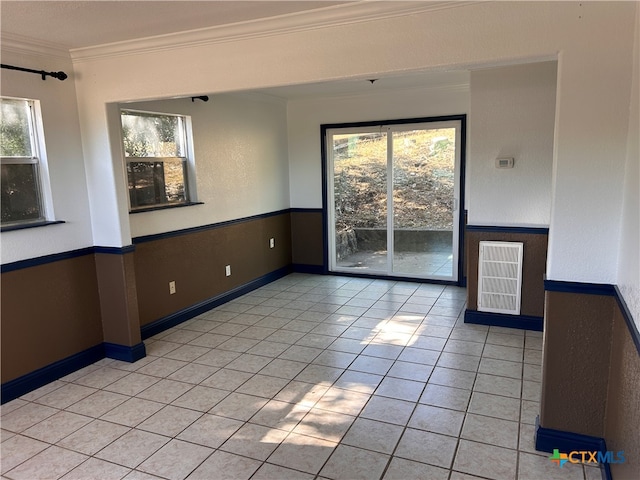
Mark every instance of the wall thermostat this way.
pixel 504 162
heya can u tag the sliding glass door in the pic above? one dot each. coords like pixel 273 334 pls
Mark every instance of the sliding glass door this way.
pixel 393 194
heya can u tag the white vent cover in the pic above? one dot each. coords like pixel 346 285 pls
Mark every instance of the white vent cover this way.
pixel 500 277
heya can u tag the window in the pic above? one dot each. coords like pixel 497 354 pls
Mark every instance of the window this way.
pixel 21 149
pixel 156 156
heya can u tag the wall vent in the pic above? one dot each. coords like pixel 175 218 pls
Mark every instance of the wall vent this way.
pixel 500 277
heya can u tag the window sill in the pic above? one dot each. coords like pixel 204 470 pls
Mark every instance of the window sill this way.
pixel 24 226
pixel 164 207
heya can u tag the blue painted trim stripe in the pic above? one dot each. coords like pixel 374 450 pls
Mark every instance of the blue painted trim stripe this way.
pixel 188 313
pixel 57 257
pixel 124 352
pixel 547 439
pixel 204 228
pixel 579 287
pixel 604 289
pixel 38 378
pixel 523 322
pixel 514 230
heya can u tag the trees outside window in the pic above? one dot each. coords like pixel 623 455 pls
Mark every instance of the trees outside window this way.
pixel 155 147
pixel 21 200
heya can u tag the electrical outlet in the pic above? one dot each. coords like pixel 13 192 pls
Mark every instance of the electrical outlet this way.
pixel 227 270
pixel 272 242
pixel 172 287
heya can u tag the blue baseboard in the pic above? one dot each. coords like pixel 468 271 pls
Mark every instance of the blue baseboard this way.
pixel 524 322
pixel 303 268
pixel 38 378
pixel 125 353
pixel 548 439
pixel 188 313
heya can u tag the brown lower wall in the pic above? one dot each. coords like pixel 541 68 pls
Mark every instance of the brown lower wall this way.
pixel 533 267
pixel 49 312
pixel 118 298
pixel 591 374
pixel 307 238
pixel 622 420
pixel 577 346
pixel 58 309
pixel 196 262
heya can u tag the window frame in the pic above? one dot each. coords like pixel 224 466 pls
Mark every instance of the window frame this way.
pixel 187 160
pixel 38 158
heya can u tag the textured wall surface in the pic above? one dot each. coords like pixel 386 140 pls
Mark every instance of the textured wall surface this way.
pixel 593 221
pixel 49 312
pixel 241 165
pixel 623 400
pixel 629 256
pixel 594 86
pixel 196 262
pixel 64 157
pixel 575 370
pixel 512 115
pixel 118 298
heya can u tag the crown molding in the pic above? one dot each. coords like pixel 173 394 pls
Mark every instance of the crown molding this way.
pixel 344 14
pixel 23 45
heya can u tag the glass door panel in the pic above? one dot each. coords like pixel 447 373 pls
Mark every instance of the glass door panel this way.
pixel 424 220
pixel 395 185
pixel 359 210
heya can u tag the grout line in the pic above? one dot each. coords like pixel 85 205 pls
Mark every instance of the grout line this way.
pixel 385 291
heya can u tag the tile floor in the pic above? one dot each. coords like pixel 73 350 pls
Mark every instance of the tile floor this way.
pixel 308 377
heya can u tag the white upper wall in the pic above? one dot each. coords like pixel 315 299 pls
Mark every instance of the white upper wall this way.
pixel 593 42
pixel 240 146
pixel 306 115
pixel 629 253
pixel 64 156
pixel 512 115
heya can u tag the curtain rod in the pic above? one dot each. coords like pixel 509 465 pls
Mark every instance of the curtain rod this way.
pixel 58 75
